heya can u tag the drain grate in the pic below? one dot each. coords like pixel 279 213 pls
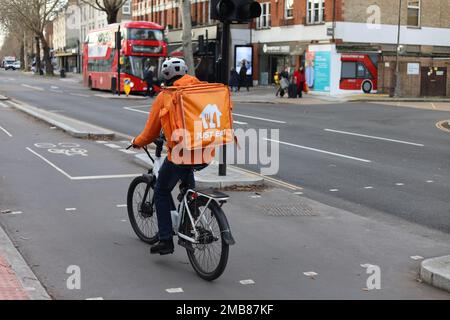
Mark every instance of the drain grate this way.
pixel 293 210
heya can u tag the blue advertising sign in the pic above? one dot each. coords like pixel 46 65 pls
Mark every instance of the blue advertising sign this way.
pixel 322 62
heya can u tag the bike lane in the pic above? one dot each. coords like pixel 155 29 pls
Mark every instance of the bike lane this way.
pixel 73 231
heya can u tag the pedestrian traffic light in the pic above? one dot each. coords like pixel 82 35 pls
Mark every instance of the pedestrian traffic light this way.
pixel 235 10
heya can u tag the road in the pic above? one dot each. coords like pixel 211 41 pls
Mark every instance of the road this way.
pixel 368 158
pixel 72 206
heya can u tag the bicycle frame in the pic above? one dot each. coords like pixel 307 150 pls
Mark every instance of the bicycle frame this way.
pixel 183 208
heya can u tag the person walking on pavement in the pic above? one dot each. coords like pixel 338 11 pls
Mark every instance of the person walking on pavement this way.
pixel 148 77
pixel 276 80
pixel 234 80
pixel 243 77
pixel 299 76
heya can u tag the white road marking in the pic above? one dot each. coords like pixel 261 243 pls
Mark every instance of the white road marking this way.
pixel 140 111
pixel 175 290
pixel 430 181
pixel 416 257
pixel 71 209
pixel 16 213
pixel 121 206
pixel 53 128
pixel 247 282
pixel 54 87
pixel 310 274
pixel 34 88
pixel 298 193
pixel 255 197
pixel 258 118
pixel 334 190
pixel 127 151
pixel 102 142
pixel 375 137
pixel 114 176
pixel 113 146
pixel 80 95
pixel 432 104
pixel 368 187
pixel 4 105
pixel 51 164
pixel 95 298
pixel 239 122
pixel 117 176
pixel 6 131
pixel 318 150
pixel 399 184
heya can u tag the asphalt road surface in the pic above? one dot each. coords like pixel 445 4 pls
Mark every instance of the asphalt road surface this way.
pixel 371 159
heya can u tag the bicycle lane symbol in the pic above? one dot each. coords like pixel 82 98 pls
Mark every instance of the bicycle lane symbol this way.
pixel 64 148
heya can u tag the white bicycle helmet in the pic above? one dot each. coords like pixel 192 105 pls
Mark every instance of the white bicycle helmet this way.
pixel 173 67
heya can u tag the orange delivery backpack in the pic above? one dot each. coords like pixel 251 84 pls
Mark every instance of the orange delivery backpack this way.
pixel 200 115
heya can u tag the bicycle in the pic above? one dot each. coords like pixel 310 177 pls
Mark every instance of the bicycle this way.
pixel 198 220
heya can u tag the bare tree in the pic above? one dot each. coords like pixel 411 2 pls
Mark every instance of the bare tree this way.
pixel 33 15
pixel 186 19
pixel 111 7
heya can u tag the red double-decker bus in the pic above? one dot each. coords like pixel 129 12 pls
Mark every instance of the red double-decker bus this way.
pixel 143 45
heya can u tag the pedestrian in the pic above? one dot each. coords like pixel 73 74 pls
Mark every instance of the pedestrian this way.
pixel 276 80
pixel 148 77
pixel 299 76
pixel 284 82
pixel 234 80
pixel 243 77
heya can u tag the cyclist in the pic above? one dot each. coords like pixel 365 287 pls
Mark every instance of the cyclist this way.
pixel 175 73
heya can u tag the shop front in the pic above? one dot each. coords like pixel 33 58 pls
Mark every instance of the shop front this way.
pixel 276 57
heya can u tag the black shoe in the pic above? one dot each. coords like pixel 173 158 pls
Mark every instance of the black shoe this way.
pixel 163 247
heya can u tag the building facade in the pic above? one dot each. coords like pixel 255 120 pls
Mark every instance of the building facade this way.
pixel 71 26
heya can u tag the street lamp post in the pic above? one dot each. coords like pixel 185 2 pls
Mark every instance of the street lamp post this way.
pixel 397 91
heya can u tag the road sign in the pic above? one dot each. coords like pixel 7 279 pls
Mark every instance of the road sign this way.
pixel 127 85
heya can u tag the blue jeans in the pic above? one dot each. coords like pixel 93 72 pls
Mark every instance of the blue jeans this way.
pixel 169 175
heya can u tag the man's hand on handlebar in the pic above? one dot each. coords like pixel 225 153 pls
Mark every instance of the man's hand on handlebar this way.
pixel 133 145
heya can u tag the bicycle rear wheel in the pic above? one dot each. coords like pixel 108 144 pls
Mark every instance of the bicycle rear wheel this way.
pixel 209 256
pixel 141 212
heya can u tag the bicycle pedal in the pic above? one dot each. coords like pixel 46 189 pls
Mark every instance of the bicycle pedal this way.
pixel 186 244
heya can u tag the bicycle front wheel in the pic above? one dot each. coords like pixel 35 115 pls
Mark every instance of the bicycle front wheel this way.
pixel 209 256
pixel 141 210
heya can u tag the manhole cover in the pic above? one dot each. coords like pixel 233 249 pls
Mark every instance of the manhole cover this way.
pixel 288 210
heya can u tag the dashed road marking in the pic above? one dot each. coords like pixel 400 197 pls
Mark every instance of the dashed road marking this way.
pixel 258 118
pixel 298 193
pixel 113 146
pixel 416 257
pixel 6 131
pixel 374 137
pixel 95 298
pixel 319 150
pixel 128 151
pixel 334 190
pixel 399 184
pixel 140 111
pixel 368 187
pixel 430 181
pixel 247 282
pixel 102 142
pixel 238 122
pixel 71 209
pixel 311 274
pixel 175 290
pixel 32 87
pixel 121 206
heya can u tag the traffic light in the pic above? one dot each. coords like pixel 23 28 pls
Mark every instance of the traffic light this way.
pixel 235 10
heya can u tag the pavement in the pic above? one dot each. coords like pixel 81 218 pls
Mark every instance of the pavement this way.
pixel 436 272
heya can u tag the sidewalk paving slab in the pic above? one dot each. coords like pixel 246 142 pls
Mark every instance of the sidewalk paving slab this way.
pixel 209 177
pixel 436 272
pixel 75 128
pixel 17 280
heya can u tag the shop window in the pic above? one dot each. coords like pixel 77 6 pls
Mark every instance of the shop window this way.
pixel 316 11
pixel 413 13
pixel 263 22
pixel 289 9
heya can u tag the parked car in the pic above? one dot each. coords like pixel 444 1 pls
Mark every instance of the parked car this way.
pixel 17 65
pixel 9 64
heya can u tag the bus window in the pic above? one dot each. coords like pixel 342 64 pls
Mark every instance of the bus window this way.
pixel 348 70
pixel 145 34
pixel 362 71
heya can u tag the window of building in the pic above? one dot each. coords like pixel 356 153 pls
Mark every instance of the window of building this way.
pixel 289 9
pixel 413 13
pixel 126 9
pixel 316 11
pixel 263 21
